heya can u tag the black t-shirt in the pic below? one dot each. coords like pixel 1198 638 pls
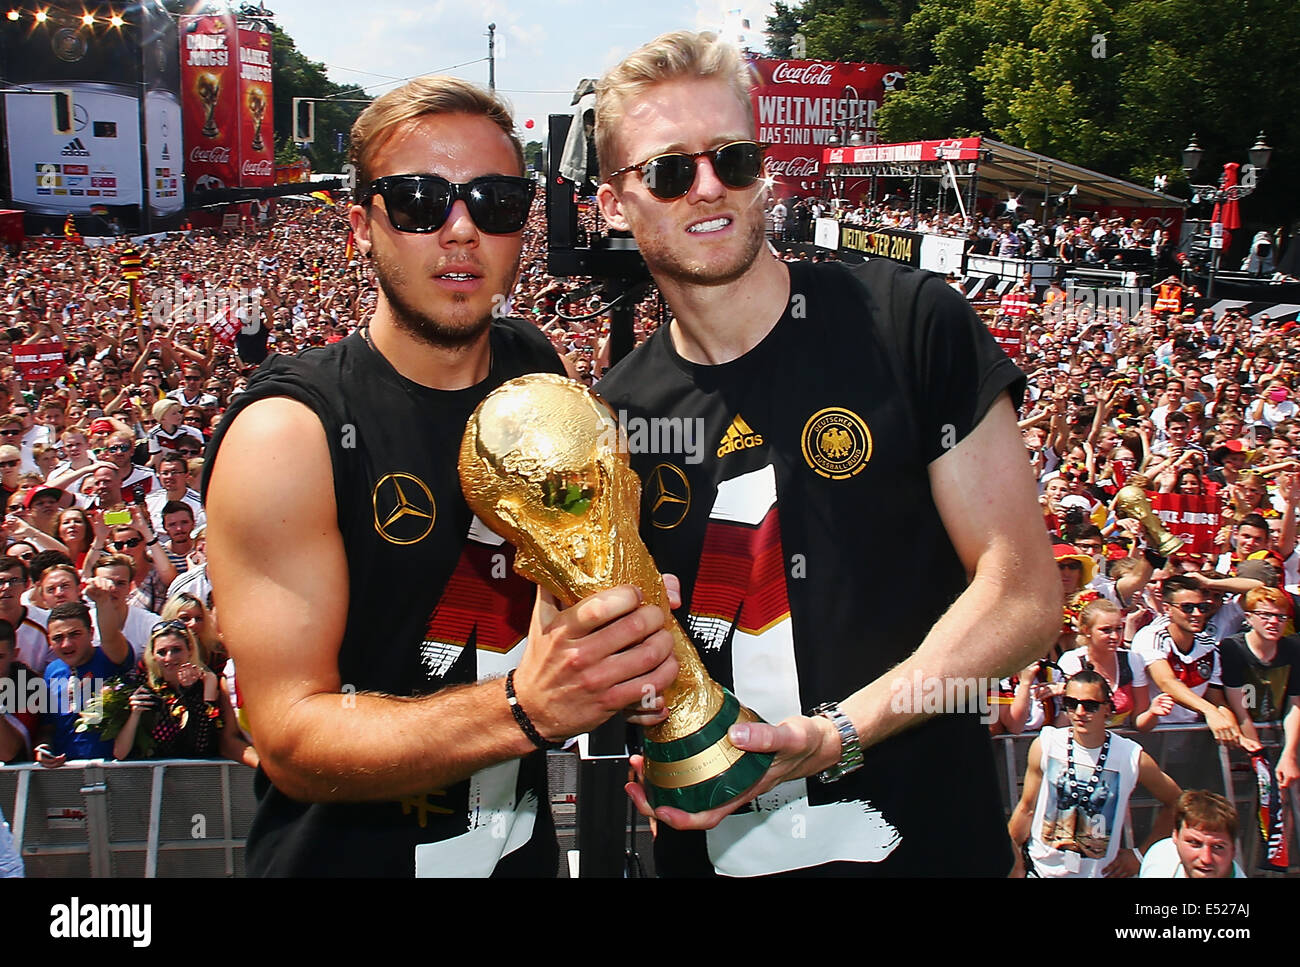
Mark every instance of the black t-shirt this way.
pixel 813 560
pixel 432 603
pixel 1269 688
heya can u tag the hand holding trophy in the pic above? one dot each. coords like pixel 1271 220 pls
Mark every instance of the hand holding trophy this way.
pixel 1132 503
pixel 542 464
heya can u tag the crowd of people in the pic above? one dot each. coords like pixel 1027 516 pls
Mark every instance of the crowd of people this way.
pixel 104 595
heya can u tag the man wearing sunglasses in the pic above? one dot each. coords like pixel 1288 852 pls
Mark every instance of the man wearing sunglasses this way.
pixel 1182 661
pixel 827 390
pixel 385 591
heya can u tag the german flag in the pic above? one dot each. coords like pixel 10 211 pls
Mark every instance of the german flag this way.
pixel 349 248
pixel 132 265
pixel 70 230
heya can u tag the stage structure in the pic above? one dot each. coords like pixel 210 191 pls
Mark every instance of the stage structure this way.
pixel 91 115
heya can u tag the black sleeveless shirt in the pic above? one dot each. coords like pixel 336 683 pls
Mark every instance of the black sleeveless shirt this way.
pixel 433 601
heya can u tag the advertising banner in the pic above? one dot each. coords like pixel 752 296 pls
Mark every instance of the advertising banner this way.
pixel 1193 517
pixel 950 149
pixel 40 360
pixel 942 253
pixel 799 104
pixel 256 124
pixel 210 101
pixel 164 145
pixel 1011 340
pixel 882 243
pixel 99 163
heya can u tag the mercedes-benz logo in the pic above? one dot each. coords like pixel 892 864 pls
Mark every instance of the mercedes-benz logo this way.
pixel 668 496
pixel 404 509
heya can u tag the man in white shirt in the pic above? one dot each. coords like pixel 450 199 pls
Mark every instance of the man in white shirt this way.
pixel 1203 844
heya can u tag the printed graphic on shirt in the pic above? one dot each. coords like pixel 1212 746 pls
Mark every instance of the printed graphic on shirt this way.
pixel 1084 825
pixel 836 443
pixel 483 617
pixel 404 508
pixel 740 607
pixel 666 496
pixel 739 436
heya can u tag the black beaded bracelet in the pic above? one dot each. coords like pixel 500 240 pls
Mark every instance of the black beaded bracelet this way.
pixel 521 717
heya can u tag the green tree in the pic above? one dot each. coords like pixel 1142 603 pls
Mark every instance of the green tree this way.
pixel 1115 85
pixel 533 154
pixel 784 23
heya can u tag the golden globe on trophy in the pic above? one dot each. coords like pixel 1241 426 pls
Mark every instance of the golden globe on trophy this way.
pixel 1131 503
pixel 544 464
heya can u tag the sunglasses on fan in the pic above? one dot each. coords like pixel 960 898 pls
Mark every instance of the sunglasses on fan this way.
pixel 669 176
pixel 417 204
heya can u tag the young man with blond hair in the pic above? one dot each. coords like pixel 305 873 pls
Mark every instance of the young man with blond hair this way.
pixel 855 409
pixel 371 616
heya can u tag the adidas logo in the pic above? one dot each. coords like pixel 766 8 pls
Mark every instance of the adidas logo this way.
pixel 75 149
pixel 739 436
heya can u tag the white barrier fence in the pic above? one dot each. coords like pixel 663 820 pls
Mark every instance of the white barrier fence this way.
pixel 174 817
pixel 190 817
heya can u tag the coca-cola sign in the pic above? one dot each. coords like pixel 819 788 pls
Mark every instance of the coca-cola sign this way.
pixel 219 155
pixel 800 167
pixel 803 107
pixel 258 169
pixel 808 72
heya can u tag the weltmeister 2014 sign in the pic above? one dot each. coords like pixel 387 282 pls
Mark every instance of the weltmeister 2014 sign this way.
pixel 800 104
pixel 882 243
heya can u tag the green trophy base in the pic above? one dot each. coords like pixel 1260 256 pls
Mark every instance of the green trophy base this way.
pixel 703 770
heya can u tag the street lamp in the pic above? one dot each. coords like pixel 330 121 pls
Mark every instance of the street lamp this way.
pixel 1260 153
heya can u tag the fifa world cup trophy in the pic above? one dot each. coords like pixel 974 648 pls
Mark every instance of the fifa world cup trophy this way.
pixel 257 110
pixel 208 87
pixel 1132 503
pixel 544 464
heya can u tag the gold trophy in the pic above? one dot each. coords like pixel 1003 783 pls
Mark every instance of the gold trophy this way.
pixel 1132 503
pixel 208 87
pixel 544 464
pixel 257 109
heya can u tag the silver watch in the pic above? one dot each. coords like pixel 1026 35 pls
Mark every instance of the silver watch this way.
pixel 850 747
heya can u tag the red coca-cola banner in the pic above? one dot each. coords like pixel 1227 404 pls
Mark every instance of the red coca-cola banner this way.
pixel 799 104
pixel 40 360
pixel 256 125
pixel 950 149
pixel 210 101
pixel 1011 340
pixel 1194 518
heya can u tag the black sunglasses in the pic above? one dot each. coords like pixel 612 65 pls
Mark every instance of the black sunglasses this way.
pixel 1090 705
pixel 132 542
pixel 1193 608
pixel 499 204
pixel 669 176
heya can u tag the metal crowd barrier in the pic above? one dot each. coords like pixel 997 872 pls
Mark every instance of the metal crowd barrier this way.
pixel 171 817
pixel 190 817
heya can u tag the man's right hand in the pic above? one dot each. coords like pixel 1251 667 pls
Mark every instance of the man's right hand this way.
pixel 1224 726
pixel 588 662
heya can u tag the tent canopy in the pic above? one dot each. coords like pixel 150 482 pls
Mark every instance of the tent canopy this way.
pixel 1015 170
pixel 1002 169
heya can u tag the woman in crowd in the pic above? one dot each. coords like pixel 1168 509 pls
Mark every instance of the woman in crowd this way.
pixel 190 611
pixel 180 696
pixel 1078 782
pixel 1101 631
pixel 74 532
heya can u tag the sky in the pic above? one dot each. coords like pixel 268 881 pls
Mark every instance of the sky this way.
pixel 543 47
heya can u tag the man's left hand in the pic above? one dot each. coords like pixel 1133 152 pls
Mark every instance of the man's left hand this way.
pixel 803 746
